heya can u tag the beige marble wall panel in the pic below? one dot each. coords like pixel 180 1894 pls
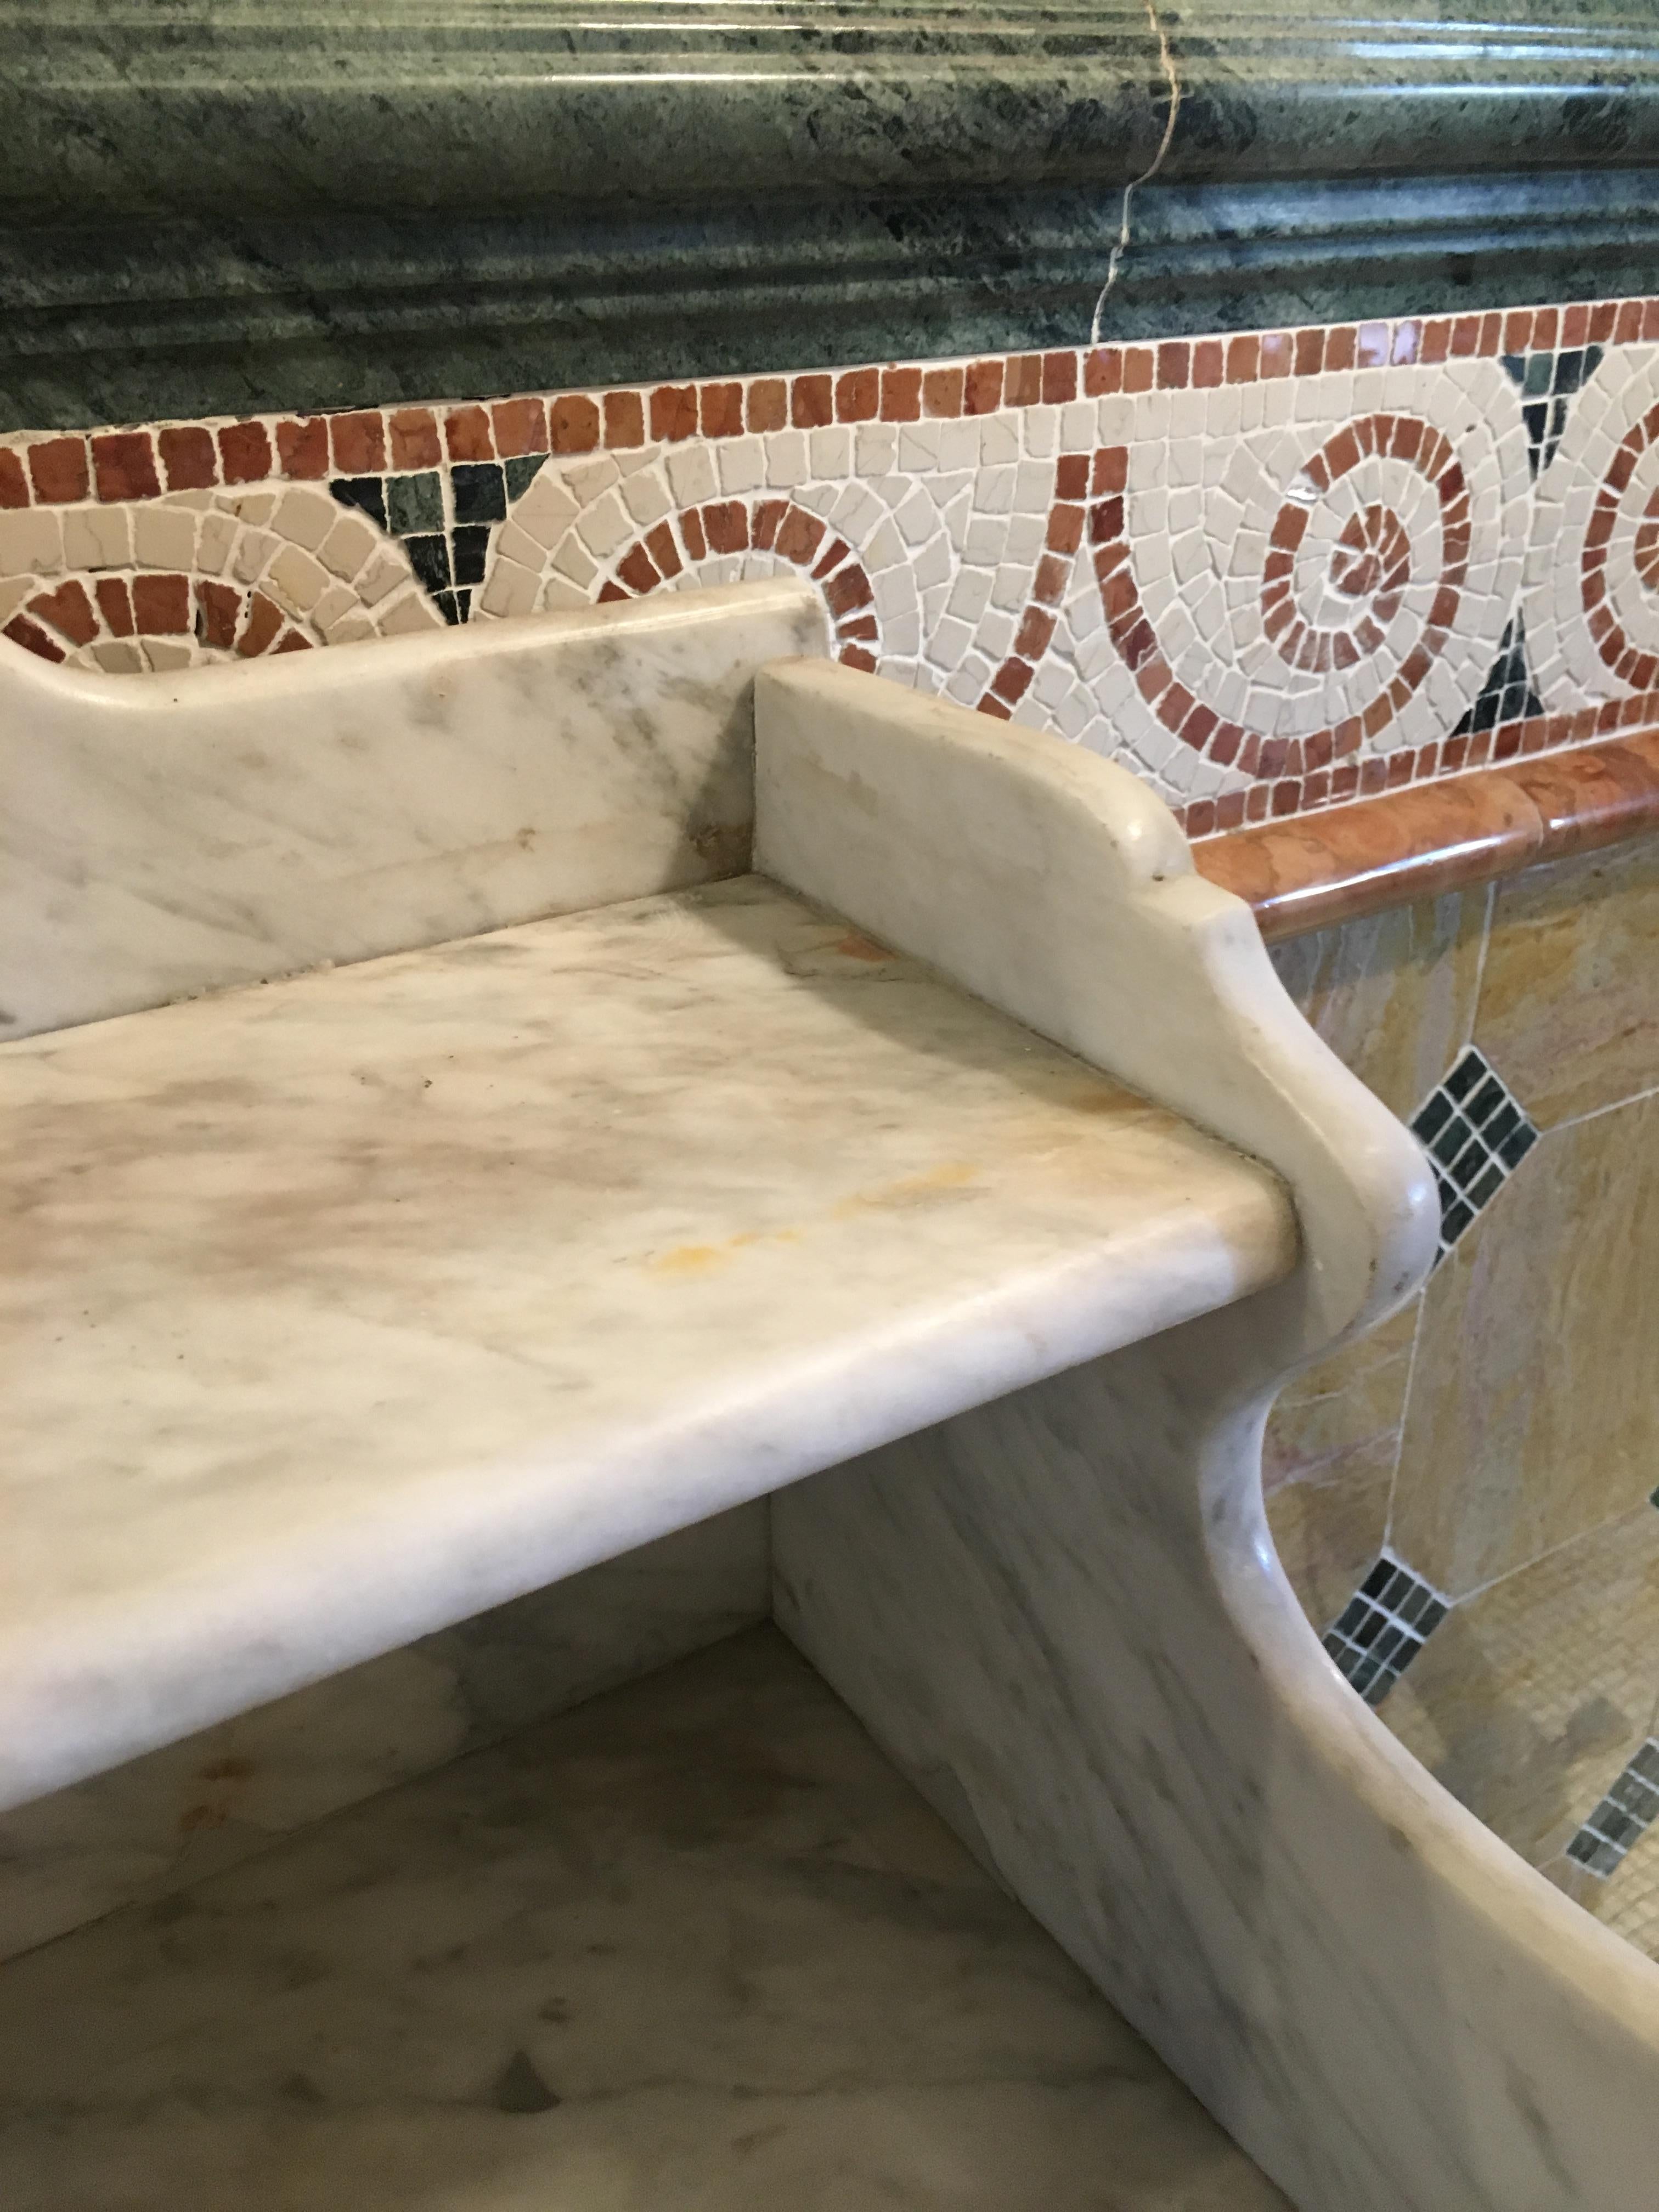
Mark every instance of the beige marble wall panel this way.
pixel 1569 1011
pixel 1329 1461
pixel 1534 1409
pixel 1327 1534
pixel 1393 993
pixel 159 1823
pixel 1528 1699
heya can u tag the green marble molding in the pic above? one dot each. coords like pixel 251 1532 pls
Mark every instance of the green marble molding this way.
pixel 210 204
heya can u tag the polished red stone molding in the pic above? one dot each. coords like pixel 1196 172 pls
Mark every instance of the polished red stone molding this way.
pixel 1320 869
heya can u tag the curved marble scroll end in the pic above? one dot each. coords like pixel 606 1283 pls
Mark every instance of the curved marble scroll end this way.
pixel 1060 889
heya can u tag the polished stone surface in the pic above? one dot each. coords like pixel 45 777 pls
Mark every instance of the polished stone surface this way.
pixel 1570 992
pixel 1329 867
pixel 221 205
pixel 1534 1414
pixel 696 1947
pixel 340 1310
pixel 226 825
pixel 158 1824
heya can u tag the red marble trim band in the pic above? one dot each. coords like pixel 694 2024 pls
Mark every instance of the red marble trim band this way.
pixel 1318 869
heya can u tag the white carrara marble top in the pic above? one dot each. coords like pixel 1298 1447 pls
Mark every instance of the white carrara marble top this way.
pixel 338 1309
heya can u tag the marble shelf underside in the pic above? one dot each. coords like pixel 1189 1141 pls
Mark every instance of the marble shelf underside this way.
pixel 341 1308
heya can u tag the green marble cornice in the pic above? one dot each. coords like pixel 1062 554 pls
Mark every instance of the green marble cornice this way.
pixel 209 203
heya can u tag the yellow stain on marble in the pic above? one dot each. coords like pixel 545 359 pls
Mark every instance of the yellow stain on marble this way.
pixel 1393 993
pixel 1529 1698
pixel 1569 1011
pixel 1534 1409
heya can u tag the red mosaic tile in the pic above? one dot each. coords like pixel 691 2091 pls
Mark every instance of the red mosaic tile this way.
pixel 519 427
pixel 1546 328
pixel 21 631
pixel 1492 335
pixel 190 459
pixel 1650 319
pixel 572 424
pixel 691 530
pixel 1517 331
pixel 1278 352
pixel 124 462
pixel 115 604
pixel 14 484
pixel 69 611
pixel 303 448
pixel 1059 378
pixel 245 452
pixel 466 434
pixel 799 537
pixel 941 391
pixel 982 388
pixel 359 444
pixel 1139 368
pixel 291 641
pixel 857 396
pixel 1604 317
pixel 1310 352
pixel 1021 380
pixel 901 395
pixel 218 611
pixel 624 419
pixel 413 433
pixel 639 571
pixel 1437 339
pixel 812 402
pixel 58 470
pixel 160 605
pixel 264 619
pixel 769 404
pixel 1102 372
pixel 722 410
pixel 1175 364
pixel 665 553
pixel 856 656
pixel 1243 358
pixel 727 523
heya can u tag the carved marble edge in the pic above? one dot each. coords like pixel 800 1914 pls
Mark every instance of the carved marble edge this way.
pixel 1316 870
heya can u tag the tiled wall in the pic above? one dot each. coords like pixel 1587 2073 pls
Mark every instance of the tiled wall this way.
pixel 1268 571
pixel 1498 1442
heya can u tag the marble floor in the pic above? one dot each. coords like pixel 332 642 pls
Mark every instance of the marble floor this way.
pixel 693 1947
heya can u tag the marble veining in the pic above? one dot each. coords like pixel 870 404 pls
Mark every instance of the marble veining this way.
pixel 162 839
pixel 695 1949
pixel 339 1310
pixel 155 1824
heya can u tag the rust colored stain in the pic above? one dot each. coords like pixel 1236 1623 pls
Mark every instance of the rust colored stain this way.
pixel 855 945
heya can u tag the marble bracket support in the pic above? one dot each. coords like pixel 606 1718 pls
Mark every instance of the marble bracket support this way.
pixel 162 838
pixel 1061 1613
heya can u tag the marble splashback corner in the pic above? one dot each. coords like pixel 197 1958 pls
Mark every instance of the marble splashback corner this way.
pixel 147 1830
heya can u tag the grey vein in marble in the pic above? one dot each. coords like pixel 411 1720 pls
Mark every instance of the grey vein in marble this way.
pixel 342 1308
pixel 165 1821
pixel 695 1948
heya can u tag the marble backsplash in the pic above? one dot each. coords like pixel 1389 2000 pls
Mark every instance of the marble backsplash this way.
pixel 161 1823
pixel 1498 1440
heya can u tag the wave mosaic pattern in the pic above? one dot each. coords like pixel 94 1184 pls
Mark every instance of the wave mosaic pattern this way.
pixel 1268 571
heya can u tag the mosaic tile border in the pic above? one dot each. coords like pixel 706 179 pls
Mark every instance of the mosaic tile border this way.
pixel 1476 1133
pixel 1623 1816
pixel 1383 1626
pixel 1271 572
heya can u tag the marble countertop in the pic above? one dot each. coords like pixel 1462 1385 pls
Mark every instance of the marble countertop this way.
pixel 341 1308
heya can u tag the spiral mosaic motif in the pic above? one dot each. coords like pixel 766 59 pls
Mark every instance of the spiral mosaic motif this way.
pixel 1328 613
pixel 1592 609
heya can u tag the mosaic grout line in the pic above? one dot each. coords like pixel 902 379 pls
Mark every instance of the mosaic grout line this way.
pixel 1383 1626
pixel 1622 1817
pixel 1477 1134
pixel 1269 572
